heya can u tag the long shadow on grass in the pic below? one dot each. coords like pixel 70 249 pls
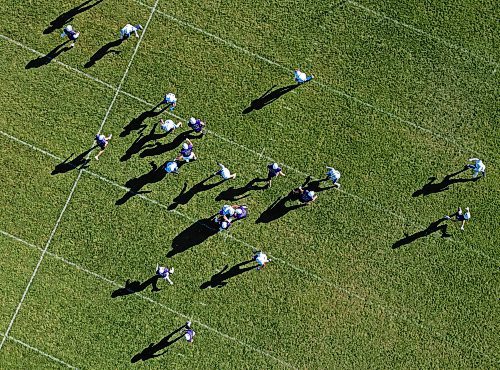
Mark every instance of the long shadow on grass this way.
pixel 234 194
pixel 431 187
pixel 159 148
pixel 137 123
pixel 270 96
pixel 102 52
pixel 153 350
pixel 280 208
pixel 219 279
pixel 195 234
pixel 135 185
pixel 132 287
pixel 432 228
pixel 185 196
pixel 68 16
pixel 46 59
pixel 142 142
pixel 79 162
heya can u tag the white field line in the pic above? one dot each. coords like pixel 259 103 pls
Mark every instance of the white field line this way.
pixel 115 284
pixel 328 87
pixel 422 32
pixel 245 147
pixel 118 89
pixel 74 185
pixel 38 351
pixel 189 317
pixel 40 261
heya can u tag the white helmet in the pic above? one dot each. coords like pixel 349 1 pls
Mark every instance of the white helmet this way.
pixel 311 193
pixel 239 211
pixel 275 166
pixel 69 27
pixel 192 120
pixel 185 146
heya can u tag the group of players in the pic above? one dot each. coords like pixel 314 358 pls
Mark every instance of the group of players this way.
pixel 231 213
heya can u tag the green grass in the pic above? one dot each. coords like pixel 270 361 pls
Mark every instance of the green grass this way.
pixel 390 108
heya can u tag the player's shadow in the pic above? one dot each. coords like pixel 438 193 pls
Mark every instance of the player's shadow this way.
pixel 135 184
pixel 142 142
pixel 280 208
pixel 315 185
pixel 137 123
pixel 153 350
pixel 194 235
pixel 103 51
pixel 79 162
pixel 234 194
pixel 448 180
pixel 46 59
pixel 159 148
pixel 68 16
pixel 219 279
pixel 432 228
pixel 132 287
pixel 270 96
pixel 185 196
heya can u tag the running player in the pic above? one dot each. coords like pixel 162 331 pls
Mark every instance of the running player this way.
pixel 273 170
pixel 196 125
pixel 102 141
pixel 71 34
pixel 305 196
pixel 168 125
pixel 126 31
pixel 460 216
pixel 187 153
pixel 170 100
pixel 333 175
pixel 477 167
pixel 261 259
pixel 164 273
pixel 301 77
pixel 189 333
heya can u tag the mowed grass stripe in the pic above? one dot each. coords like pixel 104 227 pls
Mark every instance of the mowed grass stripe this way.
pixel 148 299
pixel 430 131
pixel 393 314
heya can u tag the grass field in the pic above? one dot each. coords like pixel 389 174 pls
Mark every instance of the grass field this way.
pixel 403 92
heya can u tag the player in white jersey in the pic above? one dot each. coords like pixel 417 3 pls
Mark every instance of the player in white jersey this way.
pixel 333 175
pixel 126 31
pixel 169 125
pixel 460 216
pixel 170 100
pixel 477 167
pixel 164 273
pixel 172 167
pixel 300 77
pixel 261 259
pixel 224 172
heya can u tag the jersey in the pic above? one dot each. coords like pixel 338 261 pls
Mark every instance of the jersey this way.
pixel 168 125
pixel 225 173
pixel 333 174
pixel 189 335
pixel 261 258
pixel 241 213
pixel 170 98
pixel 171 167
pixel 306 196
pixel 164 272
pixel 101 140
pixel 186 153
pixel 300 76
pixel 197 126
pixel 227 211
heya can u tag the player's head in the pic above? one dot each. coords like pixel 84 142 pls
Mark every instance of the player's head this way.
pixel 311 194
pixel 275 166
pixel 239 211
pixel 69 27
pixel 192 120
pixel 224 225
pixel 185 146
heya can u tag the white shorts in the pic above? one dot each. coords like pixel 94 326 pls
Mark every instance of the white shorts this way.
pixel 191 156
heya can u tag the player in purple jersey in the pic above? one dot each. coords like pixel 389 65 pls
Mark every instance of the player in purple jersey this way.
pixel 186 153
pixel 71 34
pixel 305 196
pixel 273 170
pixel 241 212
pixel 196 125
pixel 102 141
pixel 164 273
pixel 189 333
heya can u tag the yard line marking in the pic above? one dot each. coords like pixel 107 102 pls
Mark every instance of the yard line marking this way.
pixel 118 89
pixel 422 32
pixel 58 62
pixel 328 87
pixel 75 183
pixel 102 178
pixel 114 283
pixel 189 317
pixel 38 351
pixel 40 261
